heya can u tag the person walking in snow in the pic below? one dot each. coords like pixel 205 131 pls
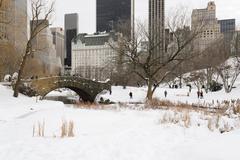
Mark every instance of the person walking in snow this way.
pixel 201 94
pixel 131 95
pixel 165 93
pixel 198 94
pixel 190 88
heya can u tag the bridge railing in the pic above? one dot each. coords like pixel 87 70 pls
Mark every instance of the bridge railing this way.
pixel 66 77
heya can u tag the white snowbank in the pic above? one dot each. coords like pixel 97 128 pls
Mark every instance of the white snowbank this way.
pixel 104 134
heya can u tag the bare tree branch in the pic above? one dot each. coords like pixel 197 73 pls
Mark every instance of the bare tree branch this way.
pixel 37 26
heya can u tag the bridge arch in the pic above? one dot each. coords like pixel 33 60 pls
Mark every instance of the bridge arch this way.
pixel 86 97
pixel 86 89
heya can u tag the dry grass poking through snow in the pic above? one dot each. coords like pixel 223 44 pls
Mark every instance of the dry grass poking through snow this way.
pixel 212 121
pixel 176 118
pixel 39 129
pixel 224 119
pixel 179 106
pixel 66 130
pixel 88 105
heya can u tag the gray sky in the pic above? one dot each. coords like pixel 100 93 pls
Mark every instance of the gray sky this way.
pixel 87 10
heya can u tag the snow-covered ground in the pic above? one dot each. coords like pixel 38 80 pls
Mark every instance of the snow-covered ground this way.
pixel 176 95
pixel 110 134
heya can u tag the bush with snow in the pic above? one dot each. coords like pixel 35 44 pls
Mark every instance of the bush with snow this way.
pixel 15 76
pixel 7 78
pixel 229 72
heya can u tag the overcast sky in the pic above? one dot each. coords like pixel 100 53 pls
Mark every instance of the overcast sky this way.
pixel 87 10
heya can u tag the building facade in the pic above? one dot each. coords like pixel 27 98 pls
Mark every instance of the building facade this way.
pixel 92 57
pixel 58 41
pixel 111 13
pixel 21 24
pixel 228 28
pixel 13 25
pixel 227 25
pixel 205 21
pixel 44 49
pixel 157 27
pixel 4 16
pixel 235 44
pixel 71 31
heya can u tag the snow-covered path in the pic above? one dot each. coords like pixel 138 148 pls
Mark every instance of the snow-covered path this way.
pixel 104 134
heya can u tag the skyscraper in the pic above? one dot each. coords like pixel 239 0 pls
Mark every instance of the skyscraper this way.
pixel 228 28
pixel 58 41
pixel 14 30
pixel 45 51
pixel 20 24
pixel 157 27
pixel 71 31
pixel 5 9
pixel 112 12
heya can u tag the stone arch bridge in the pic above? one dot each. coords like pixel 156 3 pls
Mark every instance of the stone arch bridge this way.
pixel 86 89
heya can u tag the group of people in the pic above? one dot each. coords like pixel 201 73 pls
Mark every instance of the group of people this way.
pixel 199 93
pixel 131 94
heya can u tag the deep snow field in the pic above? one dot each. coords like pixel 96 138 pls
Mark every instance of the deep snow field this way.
pixel 112 134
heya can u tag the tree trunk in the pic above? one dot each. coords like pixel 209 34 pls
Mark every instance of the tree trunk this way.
pixel 209 79
pixel 150 91
pixel 20 72
pixel 226 86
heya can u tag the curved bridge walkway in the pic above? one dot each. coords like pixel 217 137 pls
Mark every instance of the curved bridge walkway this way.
pixel 86 89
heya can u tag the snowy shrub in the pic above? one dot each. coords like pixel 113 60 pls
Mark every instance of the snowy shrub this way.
pixel 233 108
pixel 211 121
pixel 170 117
pixel 226 126
pixel 15 76
pixel 7 78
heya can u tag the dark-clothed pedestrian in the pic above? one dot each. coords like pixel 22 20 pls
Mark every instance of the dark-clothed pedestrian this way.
pixel 190 88
pixel 165 93
pixel 198 94
pixel 201 94
pixel 131 95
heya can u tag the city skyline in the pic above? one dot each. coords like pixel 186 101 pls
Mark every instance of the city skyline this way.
pixel 87 12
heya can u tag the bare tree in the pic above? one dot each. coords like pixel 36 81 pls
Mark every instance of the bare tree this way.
pixel 229 69
pixel 229 72
pixel 39 15
pixel 151 65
